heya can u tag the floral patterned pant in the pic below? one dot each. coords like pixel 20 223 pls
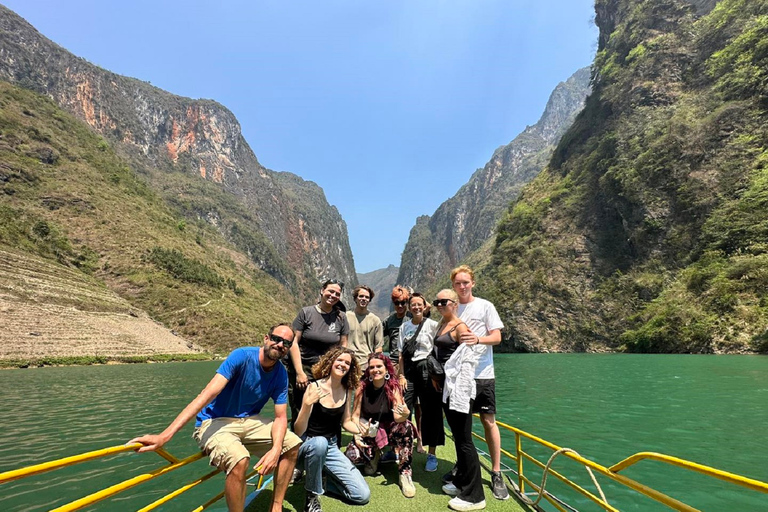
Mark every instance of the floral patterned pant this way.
pixel 400 437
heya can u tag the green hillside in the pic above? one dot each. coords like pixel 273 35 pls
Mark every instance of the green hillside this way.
pixel 69 198
pixel 648 230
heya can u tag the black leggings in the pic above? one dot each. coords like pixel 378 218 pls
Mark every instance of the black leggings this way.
pixel 468 478
pixel 431 428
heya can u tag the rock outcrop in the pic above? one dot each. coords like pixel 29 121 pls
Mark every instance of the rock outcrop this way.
pixel 464 222
pixel 301 238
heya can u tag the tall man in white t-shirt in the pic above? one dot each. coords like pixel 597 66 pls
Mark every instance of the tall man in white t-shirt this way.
pixel 484 330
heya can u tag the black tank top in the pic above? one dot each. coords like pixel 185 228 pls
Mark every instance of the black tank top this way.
pixel 376 405
pixel 445 346
pixel 324 421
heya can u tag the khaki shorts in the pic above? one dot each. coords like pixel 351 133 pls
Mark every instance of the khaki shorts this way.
pixel 227 441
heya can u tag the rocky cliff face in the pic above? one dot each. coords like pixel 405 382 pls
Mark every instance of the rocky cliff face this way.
pixel 299 242
pixel 461 224
pixel 646 232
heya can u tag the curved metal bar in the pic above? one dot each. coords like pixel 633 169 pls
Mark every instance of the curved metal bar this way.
pixel 749 483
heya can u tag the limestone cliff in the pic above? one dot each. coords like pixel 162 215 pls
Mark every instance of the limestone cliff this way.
pixel 464 222
pixel 646 232
pixel 284 223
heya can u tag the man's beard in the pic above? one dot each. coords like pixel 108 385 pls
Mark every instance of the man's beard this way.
pixel 274 354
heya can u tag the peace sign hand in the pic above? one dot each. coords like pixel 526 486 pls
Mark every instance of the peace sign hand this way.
pixel 314 394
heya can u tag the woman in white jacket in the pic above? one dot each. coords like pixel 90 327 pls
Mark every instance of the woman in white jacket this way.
pixel 459 361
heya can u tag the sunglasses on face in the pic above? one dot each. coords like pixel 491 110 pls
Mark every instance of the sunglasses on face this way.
pixel 441 302
pixel 400 302
pixel 277 340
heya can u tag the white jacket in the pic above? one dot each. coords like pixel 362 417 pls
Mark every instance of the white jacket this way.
pixel 459 383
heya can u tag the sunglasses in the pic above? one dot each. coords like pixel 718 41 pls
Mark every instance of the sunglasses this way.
pixel 277 340
pixel 334 281
pixel 441 302
pixel 400 302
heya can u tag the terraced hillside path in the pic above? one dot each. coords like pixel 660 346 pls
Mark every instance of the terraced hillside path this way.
pixel 50 310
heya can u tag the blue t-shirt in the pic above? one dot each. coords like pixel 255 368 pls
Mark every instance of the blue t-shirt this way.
pixel 249 387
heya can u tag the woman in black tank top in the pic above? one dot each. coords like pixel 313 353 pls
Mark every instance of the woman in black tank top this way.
pixel 466 483
pixel 382 416
pixel 325 406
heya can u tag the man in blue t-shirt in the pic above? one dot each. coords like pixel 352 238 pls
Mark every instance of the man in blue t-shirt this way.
pixel 228 427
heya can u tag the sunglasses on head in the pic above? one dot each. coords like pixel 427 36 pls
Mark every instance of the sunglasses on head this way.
pixel 277 340
pixel 400 302
pixel 334 281
pixel 441 302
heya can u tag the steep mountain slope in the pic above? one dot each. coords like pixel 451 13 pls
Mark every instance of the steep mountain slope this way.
pixel 647 232
pixel 192 151
pixel 464 222
pixel 88 249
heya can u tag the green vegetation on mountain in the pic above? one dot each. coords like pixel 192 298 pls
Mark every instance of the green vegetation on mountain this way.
pixel 69 198
pixel 648 230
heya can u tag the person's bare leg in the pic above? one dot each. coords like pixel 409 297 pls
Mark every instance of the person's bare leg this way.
pixel 234 486
pixel 493 438
pixel 283 476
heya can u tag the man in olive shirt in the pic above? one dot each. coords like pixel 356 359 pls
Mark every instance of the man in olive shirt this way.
pixel 365 330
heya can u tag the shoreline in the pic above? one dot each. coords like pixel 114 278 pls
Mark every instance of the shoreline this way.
pixel 53 361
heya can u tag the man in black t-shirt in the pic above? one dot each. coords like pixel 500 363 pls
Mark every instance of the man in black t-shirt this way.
pixel 393 322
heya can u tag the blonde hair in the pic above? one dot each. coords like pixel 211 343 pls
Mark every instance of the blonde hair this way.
pixel 451 294
pixel 460 269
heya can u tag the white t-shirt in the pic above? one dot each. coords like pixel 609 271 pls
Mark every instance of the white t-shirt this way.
pixel 424 342
pixel 481 317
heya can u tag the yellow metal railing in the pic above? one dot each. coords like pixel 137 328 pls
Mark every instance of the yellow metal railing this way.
pixel 173 464
pixel 612 473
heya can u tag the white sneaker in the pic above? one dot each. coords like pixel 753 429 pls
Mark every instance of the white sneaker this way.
pixel 406 485
pixel 459 504
pixel 450 489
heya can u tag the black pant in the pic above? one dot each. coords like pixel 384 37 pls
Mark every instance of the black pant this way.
pixel 430 400
pixel 468 479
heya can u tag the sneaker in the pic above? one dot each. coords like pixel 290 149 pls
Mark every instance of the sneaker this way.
pixel 498 487
pixel 312 503
pixel 459 504
pixel 371 466
pixel 406 485
pixel 389 456
pixel 450 489
pixel 431 463
pixel 297 475
pixel 448 477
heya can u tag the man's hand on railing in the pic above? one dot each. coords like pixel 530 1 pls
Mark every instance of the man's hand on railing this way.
pixel 151 442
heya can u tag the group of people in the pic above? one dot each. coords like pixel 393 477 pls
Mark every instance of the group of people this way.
pixel 329 367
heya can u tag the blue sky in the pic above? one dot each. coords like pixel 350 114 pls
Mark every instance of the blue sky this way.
pixel 390 106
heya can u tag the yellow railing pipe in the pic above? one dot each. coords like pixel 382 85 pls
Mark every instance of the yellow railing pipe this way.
pixel 122 486
pixel 9 476
pixel 218 496
pixel 168 497
pixel 749 483
pixel 628 482
pixel 570 483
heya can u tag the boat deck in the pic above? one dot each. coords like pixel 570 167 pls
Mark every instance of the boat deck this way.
pixel 386 495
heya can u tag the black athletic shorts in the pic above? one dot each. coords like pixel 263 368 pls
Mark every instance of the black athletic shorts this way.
pixel 485 398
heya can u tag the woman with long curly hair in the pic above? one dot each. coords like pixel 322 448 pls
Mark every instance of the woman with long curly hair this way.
pixel 326 405
pixel 382 416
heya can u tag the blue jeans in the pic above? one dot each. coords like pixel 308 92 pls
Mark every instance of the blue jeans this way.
pixel 322 455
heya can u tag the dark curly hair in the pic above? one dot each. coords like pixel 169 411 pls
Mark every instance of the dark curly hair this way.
pixel 322 368
pixel 391 386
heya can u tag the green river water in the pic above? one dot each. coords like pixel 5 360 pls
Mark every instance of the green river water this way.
pixel 709 409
